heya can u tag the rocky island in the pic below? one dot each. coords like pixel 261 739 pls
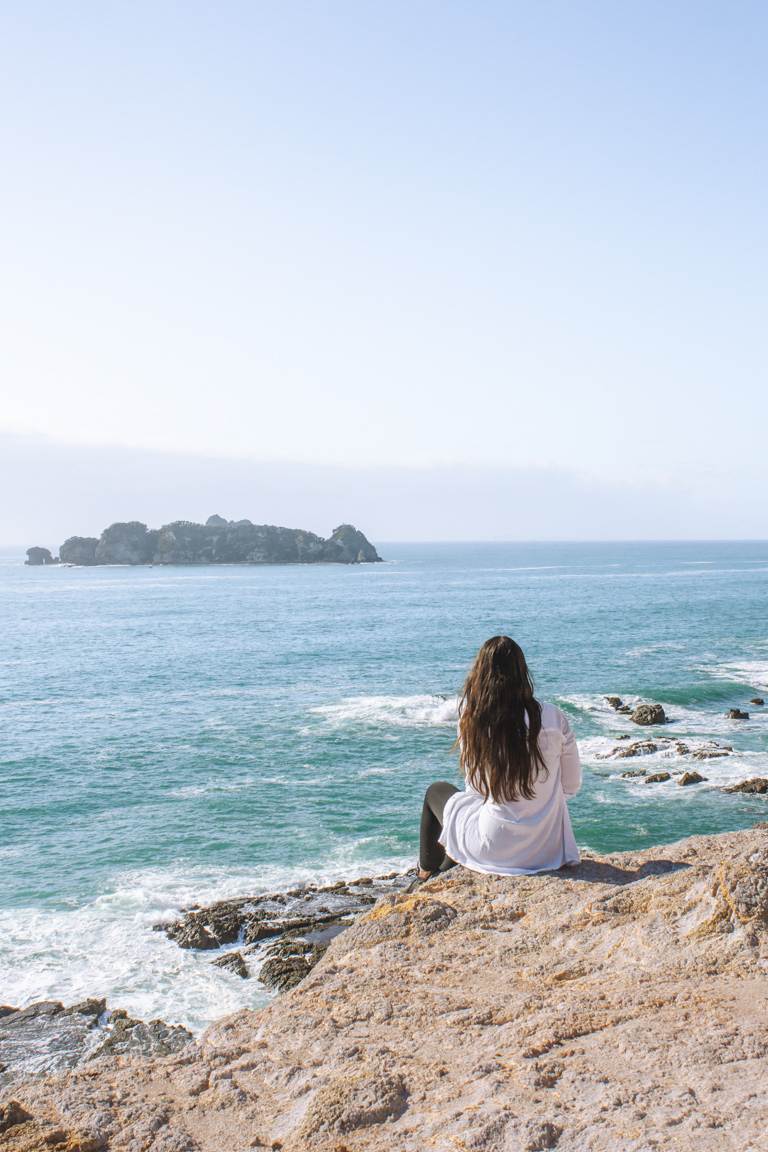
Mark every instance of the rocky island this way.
pixel 617 1006
pixel 218 541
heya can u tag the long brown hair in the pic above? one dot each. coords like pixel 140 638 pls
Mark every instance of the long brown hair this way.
pixel 499 751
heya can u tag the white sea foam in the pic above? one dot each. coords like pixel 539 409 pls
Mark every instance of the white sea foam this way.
pixel 683 721
pixel 107 947
pixel 753 672
pixel 391 711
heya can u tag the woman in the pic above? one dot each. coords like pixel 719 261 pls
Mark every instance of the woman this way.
pixel 520 761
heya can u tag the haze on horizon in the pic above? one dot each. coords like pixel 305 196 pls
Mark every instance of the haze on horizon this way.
pixel 447 270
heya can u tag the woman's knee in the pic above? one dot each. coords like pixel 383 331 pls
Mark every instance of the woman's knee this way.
pixel 438 788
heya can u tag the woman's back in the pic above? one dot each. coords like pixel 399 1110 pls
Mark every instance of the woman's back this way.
pixel 520 761
pixel 521 835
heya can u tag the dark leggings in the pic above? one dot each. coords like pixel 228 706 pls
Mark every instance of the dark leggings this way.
pixel 432 857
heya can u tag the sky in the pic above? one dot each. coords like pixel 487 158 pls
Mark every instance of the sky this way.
pixel 418 263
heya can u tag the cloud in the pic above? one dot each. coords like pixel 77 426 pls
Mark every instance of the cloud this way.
pixel 62 489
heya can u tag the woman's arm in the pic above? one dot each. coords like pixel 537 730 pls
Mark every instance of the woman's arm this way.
pixel 570 763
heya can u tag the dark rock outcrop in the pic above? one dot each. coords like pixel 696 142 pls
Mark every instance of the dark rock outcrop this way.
pixel 636 748
pixel 39 556
pixel 737 714
pixel 647 714
pixel 46 1038
pixel 233 962
pixel 757 700
pixel 79 550
pixel 218 541
pixel 284 933
pixel 657 777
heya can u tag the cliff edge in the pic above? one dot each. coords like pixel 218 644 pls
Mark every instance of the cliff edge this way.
pixel 618 1006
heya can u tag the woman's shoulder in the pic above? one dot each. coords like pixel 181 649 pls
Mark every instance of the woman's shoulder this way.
pixel 553 717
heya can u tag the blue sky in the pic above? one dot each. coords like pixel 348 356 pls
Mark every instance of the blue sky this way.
pixel 418 235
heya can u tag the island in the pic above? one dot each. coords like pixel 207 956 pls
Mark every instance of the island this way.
pixel 218 541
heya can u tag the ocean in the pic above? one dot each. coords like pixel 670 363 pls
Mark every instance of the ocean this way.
pixel 175 735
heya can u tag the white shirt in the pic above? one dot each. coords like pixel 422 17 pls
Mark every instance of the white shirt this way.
pixel 520 836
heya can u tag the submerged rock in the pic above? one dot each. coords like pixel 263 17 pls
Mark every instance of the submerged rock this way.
pixel 647 714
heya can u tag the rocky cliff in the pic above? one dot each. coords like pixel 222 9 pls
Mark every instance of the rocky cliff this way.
pixel 619 1006
pixel 218 541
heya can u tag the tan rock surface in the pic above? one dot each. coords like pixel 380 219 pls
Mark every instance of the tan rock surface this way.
pixel 620 1006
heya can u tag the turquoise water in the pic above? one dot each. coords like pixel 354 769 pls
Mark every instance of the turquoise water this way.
pixel 172 735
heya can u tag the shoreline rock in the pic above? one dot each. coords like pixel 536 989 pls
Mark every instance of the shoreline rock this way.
pixel 471 1014
pixel 620 1004
pixel 46 1038
pixel 279 936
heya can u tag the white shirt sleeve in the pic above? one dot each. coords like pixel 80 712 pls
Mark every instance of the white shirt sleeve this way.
pixel 570 763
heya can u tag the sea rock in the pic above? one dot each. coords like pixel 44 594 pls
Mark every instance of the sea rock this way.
pixel 690 778
pixel 649 714
pixel 287 963
pixel 633 772
pixel 757 700
pixel 39 556
pixel 79 550
pixel 233 962
pixel 617 704
pixel 737 714
pixel 636 748
pixel 657 777
pixel 757 785
pixel 620 1004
